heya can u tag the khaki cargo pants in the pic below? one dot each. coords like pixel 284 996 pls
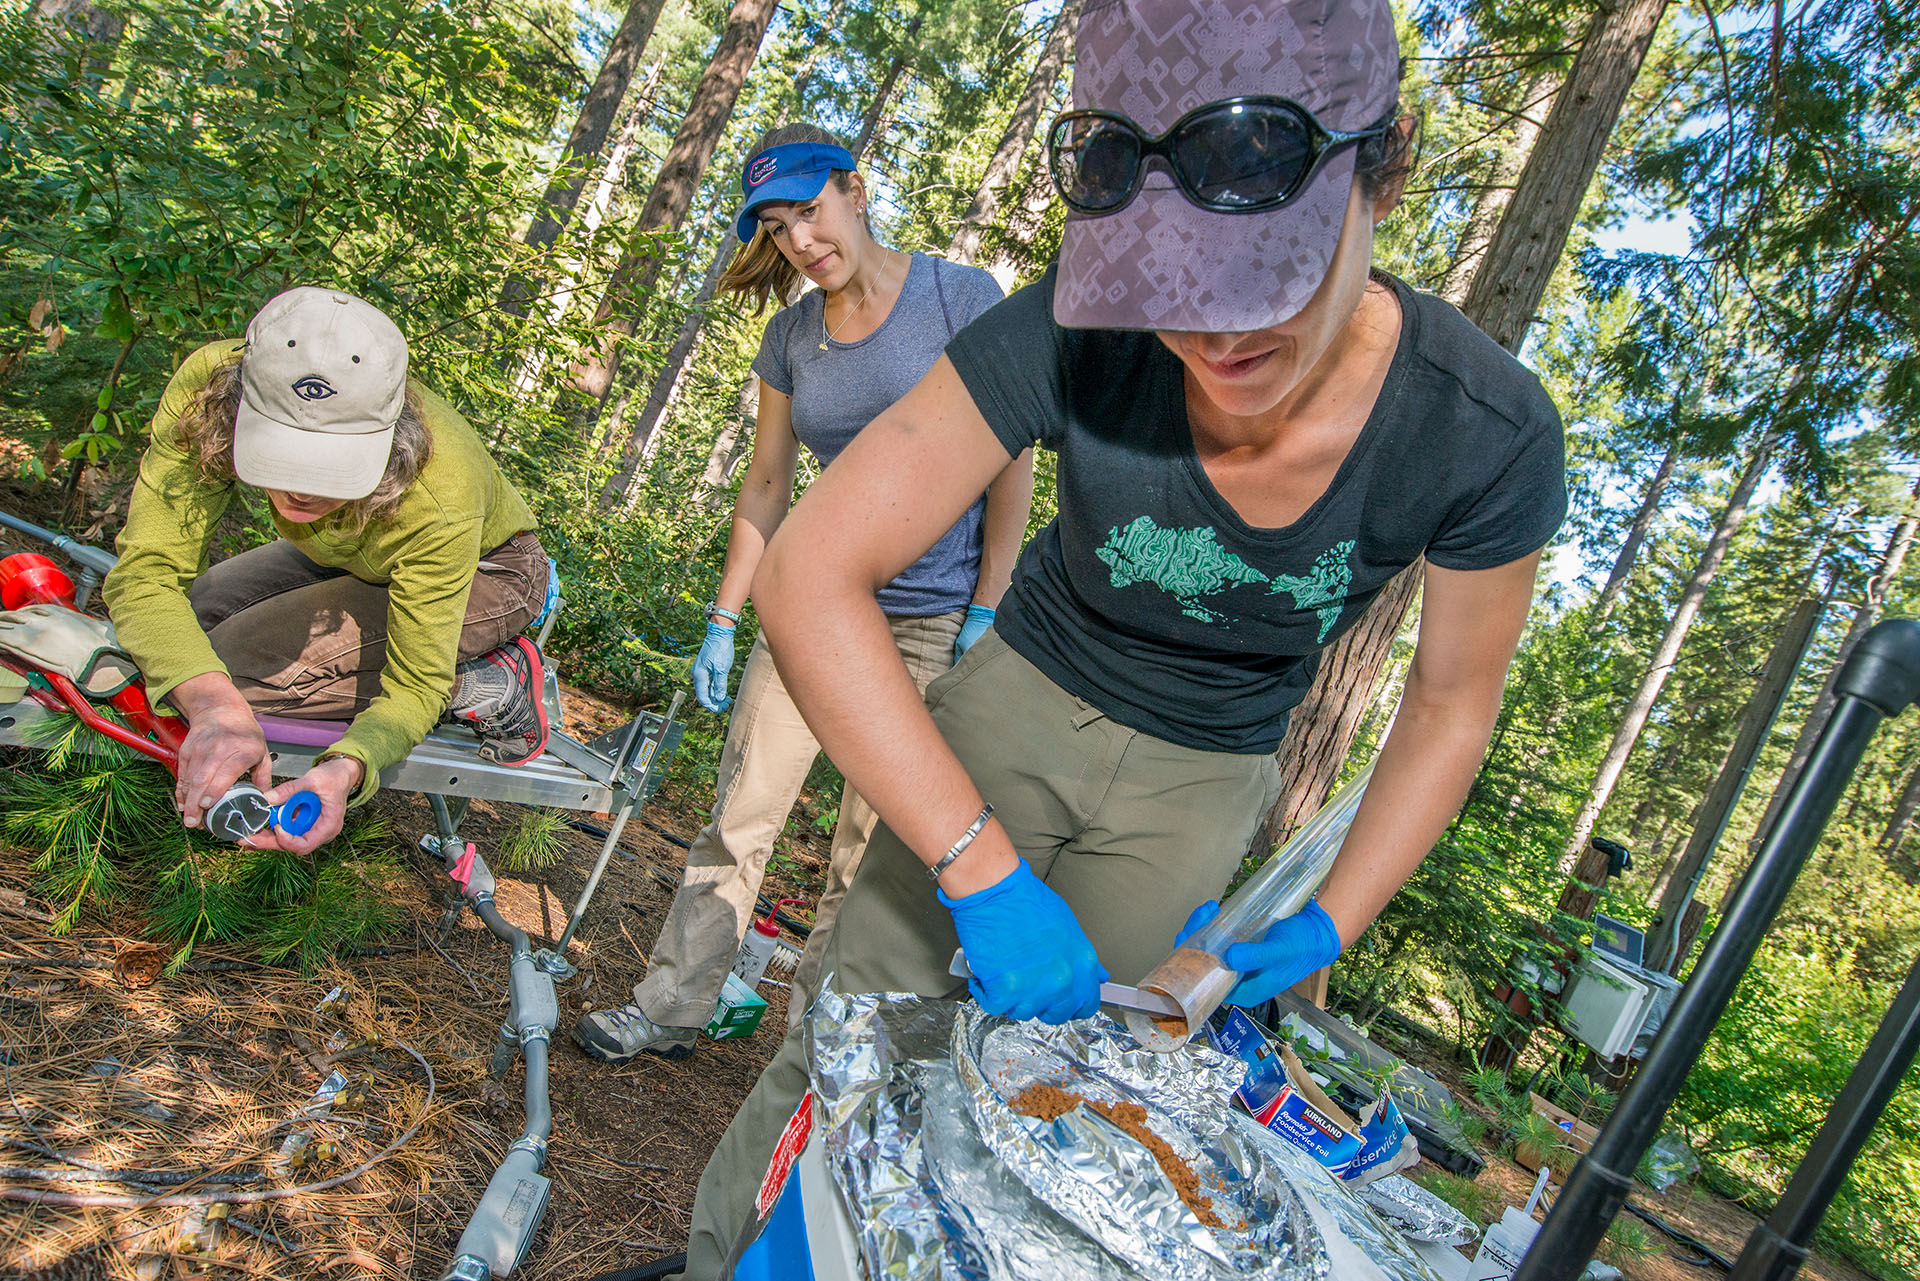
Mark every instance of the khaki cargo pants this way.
pixel 305 640
pixel 765 762
pixel 1133 831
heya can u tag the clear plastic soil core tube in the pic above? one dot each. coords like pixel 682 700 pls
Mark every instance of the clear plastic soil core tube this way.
pixel 1194 975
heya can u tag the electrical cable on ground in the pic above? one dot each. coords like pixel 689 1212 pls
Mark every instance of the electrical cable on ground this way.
pixel 125 1202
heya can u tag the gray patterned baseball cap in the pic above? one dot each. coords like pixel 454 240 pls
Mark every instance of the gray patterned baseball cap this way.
pixel 1163 262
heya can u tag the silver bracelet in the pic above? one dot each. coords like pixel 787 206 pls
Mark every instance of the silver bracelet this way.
pixel 960 846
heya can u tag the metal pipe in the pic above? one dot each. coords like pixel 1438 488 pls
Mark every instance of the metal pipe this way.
pixel 1779 1246
pixel 1880 678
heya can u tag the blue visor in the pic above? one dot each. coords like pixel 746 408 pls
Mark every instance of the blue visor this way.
pixel 792 171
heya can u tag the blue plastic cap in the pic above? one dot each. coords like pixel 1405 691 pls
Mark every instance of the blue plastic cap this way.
pixel 792 171
pixel 297 814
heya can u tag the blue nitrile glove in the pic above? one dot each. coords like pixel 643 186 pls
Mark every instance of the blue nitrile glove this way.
pixel 1292 949
pixel 1030 958
pixel 710 668
pixel 979 618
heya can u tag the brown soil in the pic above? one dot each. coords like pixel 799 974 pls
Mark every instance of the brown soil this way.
pixel 1050 1102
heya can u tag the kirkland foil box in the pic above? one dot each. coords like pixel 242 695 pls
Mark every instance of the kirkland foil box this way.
pixel 739 1011
pixel 1282 1096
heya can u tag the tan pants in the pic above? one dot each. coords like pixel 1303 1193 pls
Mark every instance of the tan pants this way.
pixel 305 640
pixel 1132 831
pixel 765 762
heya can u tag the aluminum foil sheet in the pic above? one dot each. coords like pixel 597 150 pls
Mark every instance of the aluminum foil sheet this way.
pixel 1417 1212
pixel 943 1182
pixel 1104 1181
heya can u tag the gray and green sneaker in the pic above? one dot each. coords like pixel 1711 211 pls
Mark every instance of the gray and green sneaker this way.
pixel 615 1036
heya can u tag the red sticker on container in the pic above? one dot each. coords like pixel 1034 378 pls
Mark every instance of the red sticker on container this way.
pixel 793 1141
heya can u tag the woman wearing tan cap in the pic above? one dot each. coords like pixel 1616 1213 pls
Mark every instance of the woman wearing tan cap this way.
pixel 1254 433
pixel 405 569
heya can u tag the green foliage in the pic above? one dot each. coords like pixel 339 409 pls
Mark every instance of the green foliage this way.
pixel 105 836
pixel 1480 1202
pixel 538 840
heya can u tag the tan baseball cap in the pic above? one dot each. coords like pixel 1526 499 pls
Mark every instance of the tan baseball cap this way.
pixel 322 383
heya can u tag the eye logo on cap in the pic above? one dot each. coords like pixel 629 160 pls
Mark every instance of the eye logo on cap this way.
pixel 761 170
pixel 314 387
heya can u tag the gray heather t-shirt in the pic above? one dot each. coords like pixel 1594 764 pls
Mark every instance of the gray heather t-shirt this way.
pixel 838 391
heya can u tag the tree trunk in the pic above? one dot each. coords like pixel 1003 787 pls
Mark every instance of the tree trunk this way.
pixel 673 189
pixel 1490 202
pixel 1634 719
pixel 1875 601
pixel 1014 142
pixel 1756 723
pixel 1533 230
pixel 1507 287
pixel 1636 535
pixel 1901 820
pixel 727 447
pixel 587 138
pixel 883 97
pixel 668 379
pixel 99 28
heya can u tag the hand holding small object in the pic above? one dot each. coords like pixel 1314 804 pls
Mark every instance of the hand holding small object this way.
pixel 1030 958
pixel 1291 949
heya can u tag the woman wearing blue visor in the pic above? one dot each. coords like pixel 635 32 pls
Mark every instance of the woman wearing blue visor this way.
pixel 1255 432
pixel 830 362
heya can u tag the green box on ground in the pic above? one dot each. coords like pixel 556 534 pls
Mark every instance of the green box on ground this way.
pixel 739 1011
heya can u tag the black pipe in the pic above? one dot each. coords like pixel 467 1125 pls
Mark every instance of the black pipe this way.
pixel 1779 1246
pixel 1880 678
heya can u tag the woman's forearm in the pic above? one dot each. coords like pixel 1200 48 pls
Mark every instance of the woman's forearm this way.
pixel 1424 770
pixel 1004 529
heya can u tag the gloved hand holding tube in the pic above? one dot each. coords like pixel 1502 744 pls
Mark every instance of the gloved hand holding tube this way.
pixel 1267 929
pixel 711 665
pixel 1030 958
pixel 1292 948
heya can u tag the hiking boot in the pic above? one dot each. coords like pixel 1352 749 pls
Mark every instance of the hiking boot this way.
pixel 615 1036
pixel 497 696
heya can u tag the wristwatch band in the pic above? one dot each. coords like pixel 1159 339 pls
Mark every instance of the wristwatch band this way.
pixel 713 607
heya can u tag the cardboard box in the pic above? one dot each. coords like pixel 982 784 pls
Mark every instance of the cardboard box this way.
pixel 738 1013
pixel 1577 1135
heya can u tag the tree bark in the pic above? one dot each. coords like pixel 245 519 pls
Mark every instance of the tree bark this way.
pixel 1005 162
pixel 1871 607
pixel 1533 230
pixel 727 446
pixel 668 379
pixel 1900 822
pixel 883 97
pixel 596 118
pixel 673 189
pixel 1756 723
pixel 1634 719
pixel 99 28
pixel 1490 202
pixel 1636 535
pixel 1507 287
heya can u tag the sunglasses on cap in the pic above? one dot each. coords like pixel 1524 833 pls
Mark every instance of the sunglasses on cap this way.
pixel 1239 155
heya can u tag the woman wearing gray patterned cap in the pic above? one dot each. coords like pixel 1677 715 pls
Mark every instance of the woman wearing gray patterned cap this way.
pixel 1255 433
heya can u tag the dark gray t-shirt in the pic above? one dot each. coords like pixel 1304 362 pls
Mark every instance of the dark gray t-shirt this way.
pixel 839 390
pixel 1149 597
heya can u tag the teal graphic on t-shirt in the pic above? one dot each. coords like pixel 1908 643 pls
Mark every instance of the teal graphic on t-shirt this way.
pixel 1191 565
pixel 1324 589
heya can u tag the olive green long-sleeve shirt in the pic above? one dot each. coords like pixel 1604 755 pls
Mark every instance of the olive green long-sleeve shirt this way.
pixel 425 553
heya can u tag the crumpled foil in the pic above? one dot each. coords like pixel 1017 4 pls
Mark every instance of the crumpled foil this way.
pixel 942 1181
pixel 1103 1180
pixel 1417 1212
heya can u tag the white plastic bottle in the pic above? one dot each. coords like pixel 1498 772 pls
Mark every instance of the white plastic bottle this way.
pixel 756 949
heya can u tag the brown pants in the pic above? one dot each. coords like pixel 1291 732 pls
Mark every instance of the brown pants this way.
pixel 302 639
